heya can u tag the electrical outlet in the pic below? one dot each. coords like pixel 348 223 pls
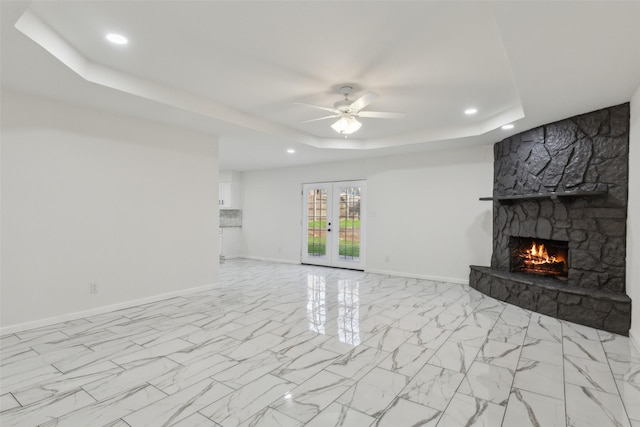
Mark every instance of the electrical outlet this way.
pixel 93 288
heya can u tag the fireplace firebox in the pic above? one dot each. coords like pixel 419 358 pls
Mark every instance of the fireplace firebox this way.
pixel 539 256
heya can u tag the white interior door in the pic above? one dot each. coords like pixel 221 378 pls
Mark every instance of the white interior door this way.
pixel 334 224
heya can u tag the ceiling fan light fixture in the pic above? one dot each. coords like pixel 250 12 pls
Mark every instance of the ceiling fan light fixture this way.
pixel 346 125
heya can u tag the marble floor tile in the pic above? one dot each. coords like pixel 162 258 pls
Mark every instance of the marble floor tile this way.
pixel 208 334
pixel 374 392
pixel 403 412
pixel 179 405
pixel 590 408
pixel 455 356
pixel 630 394
pixel 357 362
pixel 625 368
pixel 27 363
pixel 468 411
pixel 65 382
pixel 184 376
pixel 337 415
pixel 542 351
pixel 388 339
pixel 432 386
pixel 122 381
pixel 412 322
pixel 146 354
pixel 193 420
pixel 447 321
pixel 309 398
pixel 252 346
pixel 7 401
pixel 407 359
pixel 487 382
pixel 584 348
pixel 506 332
pixel 110 410
pixel 470 335
pixel 250 369
pixel 30 378
pixel 97 356
pixel 526 409
pixel 245 402
pixel 545 328
pixel 590 374
pixel 305 366
pixel 500 353
pixel 539 377
pixel 45 410
pixel 296 345
pixel 618 344
pixel 269 417
pixel 430 336
pixel 573 330
pixel 484 316
pixel 300 344
pixel 211 347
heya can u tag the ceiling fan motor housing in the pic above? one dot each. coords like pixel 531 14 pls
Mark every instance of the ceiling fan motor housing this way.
pixel 343 105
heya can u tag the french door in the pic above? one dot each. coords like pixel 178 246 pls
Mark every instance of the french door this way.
pixel 334 224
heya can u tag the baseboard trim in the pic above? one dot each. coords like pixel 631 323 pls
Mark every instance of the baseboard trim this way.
pixel 419 276
pixel 282 261
pixel 5 330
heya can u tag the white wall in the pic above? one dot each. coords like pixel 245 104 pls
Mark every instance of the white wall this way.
pixel 423 211
pixel 633 221
pixel 92 197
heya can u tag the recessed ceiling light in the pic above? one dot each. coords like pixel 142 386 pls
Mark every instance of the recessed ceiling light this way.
pixel 117 38
pixel 470 111
pixel 291 151
pixel 507 127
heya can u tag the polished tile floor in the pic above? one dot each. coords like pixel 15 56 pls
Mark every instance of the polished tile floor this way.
pixel 288 345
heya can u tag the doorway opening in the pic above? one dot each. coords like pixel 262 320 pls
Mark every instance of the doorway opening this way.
pixel 334 224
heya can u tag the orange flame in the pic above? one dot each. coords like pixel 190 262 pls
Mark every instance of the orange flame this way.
pixel 537 255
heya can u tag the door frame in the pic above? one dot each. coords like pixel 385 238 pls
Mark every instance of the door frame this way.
pixel 333 257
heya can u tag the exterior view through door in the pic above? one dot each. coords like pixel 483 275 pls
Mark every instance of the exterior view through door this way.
pixel 333 222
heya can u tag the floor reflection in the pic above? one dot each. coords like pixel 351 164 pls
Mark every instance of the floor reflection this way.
pixel 317 302
pixel 348 312
pixel 348 308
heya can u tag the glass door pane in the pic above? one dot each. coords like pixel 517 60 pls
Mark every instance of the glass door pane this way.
pixel 316 218
pixel 349 224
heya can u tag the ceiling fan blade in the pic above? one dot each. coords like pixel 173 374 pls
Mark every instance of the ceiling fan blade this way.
pixel 319 107
pixel 320 118
pixel 363 101
pixel 382 115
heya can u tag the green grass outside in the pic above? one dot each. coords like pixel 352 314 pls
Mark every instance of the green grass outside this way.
pixel 345 248
pixel 344 223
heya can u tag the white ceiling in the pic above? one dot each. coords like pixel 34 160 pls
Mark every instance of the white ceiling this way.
pixel 235 69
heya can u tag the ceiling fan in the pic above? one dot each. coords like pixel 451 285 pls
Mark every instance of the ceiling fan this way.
pixel 347 111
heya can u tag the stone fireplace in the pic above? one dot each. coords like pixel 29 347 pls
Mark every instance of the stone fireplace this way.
pixel 559 220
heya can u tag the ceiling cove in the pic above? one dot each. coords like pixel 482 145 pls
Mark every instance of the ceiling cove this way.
pixel 288 127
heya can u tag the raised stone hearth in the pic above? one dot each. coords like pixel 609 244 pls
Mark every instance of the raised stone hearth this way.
pixel 609 311
pixel 566 181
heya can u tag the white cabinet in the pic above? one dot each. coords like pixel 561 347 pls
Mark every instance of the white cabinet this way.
pixel 224 195
pixel 229 190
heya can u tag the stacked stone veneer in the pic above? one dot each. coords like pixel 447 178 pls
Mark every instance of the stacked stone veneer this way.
pixel 583 153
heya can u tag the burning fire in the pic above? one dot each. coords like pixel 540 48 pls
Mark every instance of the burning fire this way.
pixel 537 255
